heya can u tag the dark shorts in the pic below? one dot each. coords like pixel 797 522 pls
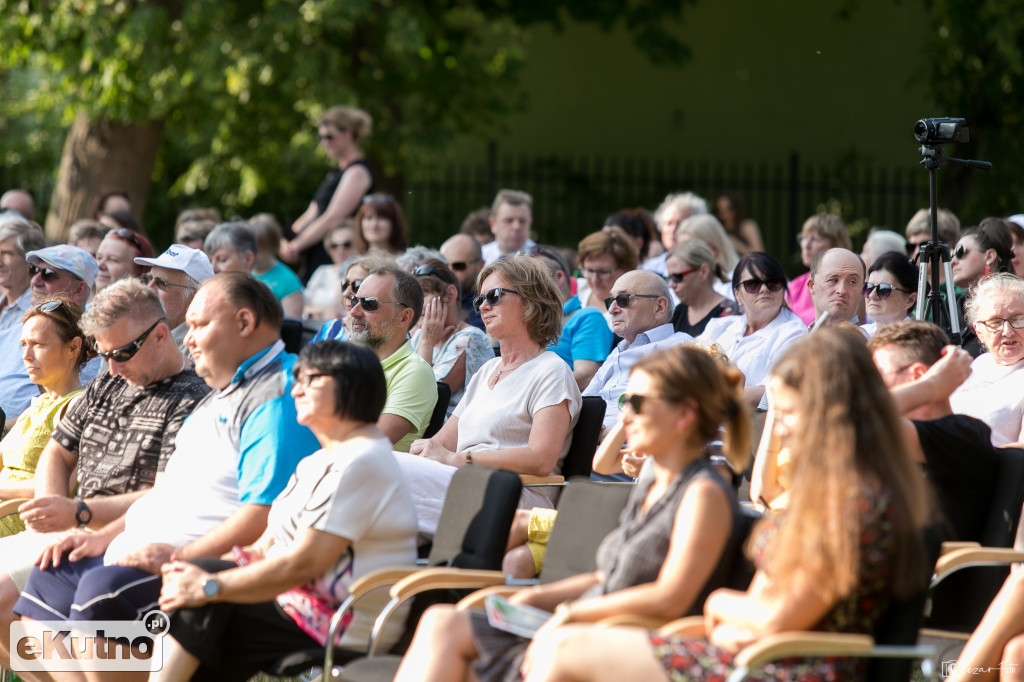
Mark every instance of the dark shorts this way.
pixel 88 590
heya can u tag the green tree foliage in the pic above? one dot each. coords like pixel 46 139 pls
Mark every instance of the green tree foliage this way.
pixel 238 84
pixel 975 70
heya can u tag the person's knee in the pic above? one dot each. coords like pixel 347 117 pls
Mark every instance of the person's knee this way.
pixel 1011 666
pixel 518 563
pixel 517 534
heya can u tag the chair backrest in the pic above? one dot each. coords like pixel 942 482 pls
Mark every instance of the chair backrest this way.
pixel 444 396
pixel 903 619
pixel 1001 524
pixel 587 512
pixel 585 437
pixel 472 531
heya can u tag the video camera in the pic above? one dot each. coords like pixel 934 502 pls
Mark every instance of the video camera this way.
pixel 941 130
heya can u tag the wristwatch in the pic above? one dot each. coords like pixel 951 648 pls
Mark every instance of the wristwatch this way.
pixel 211 588
pixel 83 515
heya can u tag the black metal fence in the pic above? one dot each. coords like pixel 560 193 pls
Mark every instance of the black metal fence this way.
pixel 573 196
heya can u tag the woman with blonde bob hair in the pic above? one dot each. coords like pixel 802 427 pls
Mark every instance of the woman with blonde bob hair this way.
pixel 707 229
pixel 519 409
pixel 850 541
pixel 680 529
pixel 692 275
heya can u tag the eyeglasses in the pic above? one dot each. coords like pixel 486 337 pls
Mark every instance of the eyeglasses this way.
pixel 371 304
pixel 677 277
pixel 353 283
pixel 754 284
pixel 600 274
pixel 126 353
pixel 996 323
pixel 960 252
pixel 128 236
pixel 45 274
pixel 339 245
pixel 622 300
pixel 492 297
pixel 378 199
pixel 635 401
pixel 160 283
pixel 882 290
pixel 305 380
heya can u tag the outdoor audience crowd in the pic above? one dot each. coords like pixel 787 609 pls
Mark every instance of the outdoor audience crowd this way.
pixel 238 428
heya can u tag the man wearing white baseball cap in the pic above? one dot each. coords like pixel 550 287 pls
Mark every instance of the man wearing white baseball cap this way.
pixel 176 275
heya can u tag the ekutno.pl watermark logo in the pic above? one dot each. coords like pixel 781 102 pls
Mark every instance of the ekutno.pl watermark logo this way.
pixel 110 645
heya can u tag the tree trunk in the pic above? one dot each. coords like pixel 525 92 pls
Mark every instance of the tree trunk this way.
pixel 99 157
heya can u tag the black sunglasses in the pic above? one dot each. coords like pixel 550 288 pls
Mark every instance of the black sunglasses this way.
pixel 128 236
pixel 635 401
pixel 45 274
pixel 754 284
pixel 354 283
pixel 159 282
pixel 677 277
pixel 882 290
pixel 622 300
pixel 492 297
pixel 339 245
pixel 326 137
pixel 425 270
pixel 126 353
pixel 54 306
pixel 960 252
pixel 371 304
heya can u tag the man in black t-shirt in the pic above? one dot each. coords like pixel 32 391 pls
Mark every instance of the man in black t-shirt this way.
pixel 955 449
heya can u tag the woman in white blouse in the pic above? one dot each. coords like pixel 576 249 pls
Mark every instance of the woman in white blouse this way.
pixel 519 409
pixel 754 340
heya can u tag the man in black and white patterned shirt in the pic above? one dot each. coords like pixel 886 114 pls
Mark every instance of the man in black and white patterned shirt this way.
pixel 119 433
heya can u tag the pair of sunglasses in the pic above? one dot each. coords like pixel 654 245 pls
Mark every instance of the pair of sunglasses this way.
pixel 378 199
pixel 354 283
pixel 622 300
pixel 635 401
pixel 339 245
pixel 45 274
pixel 126 353
pixel 883 291
pixel 52 307
pixel 677 277
pixel 460 265
pixel 159 282
pixel 960 252
pixel 754 284
pixel 492 297
pixel 371 304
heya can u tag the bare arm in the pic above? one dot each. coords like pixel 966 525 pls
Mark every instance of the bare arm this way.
pixel 941 379
pixel 608 458
pixel 350 191
pixel 292 304
pixel 764 478
pixel 583 371
pixel 394 427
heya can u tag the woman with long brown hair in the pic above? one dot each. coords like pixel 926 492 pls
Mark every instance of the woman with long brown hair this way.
pixel 850 541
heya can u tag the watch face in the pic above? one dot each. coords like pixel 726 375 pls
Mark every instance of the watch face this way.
pixel 83 515
pixel 211 587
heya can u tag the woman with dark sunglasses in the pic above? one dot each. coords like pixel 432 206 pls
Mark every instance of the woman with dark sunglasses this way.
pixel 342 131
pixel 519 409
pixel 754 340
pixel 692 275
pixel 53 350
pixel 890 292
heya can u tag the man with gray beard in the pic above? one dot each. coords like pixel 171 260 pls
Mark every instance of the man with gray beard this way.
pixel 387 306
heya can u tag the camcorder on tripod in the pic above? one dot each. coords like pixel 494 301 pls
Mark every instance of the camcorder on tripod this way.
pixel 933 257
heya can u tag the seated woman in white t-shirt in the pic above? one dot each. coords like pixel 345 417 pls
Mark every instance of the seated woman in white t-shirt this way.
pixel 320 538
pixel 519 409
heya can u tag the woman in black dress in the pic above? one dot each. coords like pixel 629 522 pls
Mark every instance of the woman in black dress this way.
pixel 342 131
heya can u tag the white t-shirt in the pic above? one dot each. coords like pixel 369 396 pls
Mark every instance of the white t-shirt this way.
pixel 754 355
pixel 995 395
pixel 355 491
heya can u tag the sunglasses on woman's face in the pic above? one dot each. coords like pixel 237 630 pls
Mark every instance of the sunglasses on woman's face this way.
pixel 960 252
pixel 126 353
pixel 492 297
pixel 45 274
pixel 371 304
pixel 635 401
pixel 882 290
pixel 754 284
pixel 677 277
pixel 353 283
pixel 339 245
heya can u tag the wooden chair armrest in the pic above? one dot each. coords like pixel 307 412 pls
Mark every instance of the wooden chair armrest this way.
pixel 944 634
pixel 786 644
pixel 11 506
pixel 444 579
pixel 947 563
pixel 528 479
pixel 949 546
pixel 631 620
pixel 691 626
pixel 476 600
pixel 382 577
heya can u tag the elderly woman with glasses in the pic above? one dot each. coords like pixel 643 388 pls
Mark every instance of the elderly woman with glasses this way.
pixel 890 292
pixel 755 340
pixel 454 349
pixel 232 619
pixel 994 392
pixel 116 254
pixel 603 257
pixel 519 409
pixel 54 350
pixel 342 131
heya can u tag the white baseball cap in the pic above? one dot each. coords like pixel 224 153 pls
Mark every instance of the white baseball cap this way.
pixel 192 262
